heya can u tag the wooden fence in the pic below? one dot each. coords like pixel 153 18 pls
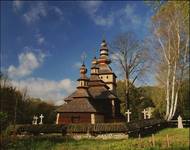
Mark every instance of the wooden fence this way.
pixel 173 123
pixel 136 128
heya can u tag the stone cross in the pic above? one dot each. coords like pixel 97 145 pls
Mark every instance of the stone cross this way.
pixel 180 123
pixel 128 115
pixel 35 120
pixel 41 117
pixel 149 113
pixel 144 112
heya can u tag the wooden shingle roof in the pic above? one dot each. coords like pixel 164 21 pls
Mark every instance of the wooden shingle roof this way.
pixel 101 93
pixel 77 105
pixel 81 93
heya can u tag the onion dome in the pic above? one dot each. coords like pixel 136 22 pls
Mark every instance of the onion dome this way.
pixel 94 67
pixel 83 80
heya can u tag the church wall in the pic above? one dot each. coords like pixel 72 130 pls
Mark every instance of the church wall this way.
pixel 107 78
pixel 99 118
pixel 66 118
pixel 110 81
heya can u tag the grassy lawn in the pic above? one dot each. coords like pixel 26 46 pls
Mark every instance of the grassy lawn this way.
pixel 179 140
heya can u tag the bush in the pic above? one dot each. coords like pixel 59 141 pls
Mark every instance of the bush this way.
pixel 4 121
pixel 36 129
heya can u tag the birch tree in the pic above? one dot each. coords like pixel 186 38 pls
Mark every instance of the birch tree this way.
pixel 171 30
pixel 130 56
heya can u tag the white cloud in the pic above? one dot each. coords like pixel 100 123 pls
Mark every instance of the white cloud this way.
pixel 129 10
pixel 17 5
pixel 40 38
pixel 49 90
pixel 77 65
pixel 36 12
pixel 28 62
pixel 58 12
pixel 104 21
pixel 92 7
pixel 39 10
pixel 127 16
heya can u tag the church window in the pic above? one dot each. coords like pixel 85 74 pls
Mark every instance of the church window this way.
pixel 107 77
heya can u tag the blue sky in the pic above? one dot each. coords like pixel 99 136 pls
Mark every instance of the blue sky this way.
pixel 42 42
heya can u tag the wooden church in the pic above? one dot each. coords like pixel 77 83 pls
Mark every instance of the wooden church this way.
pixel 95 99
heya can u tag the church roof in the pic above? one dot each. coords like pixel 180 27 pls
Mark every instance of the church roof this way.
pixel 100 93
pixel 77 105
pixel 80 93
pixel 95 81
pixel 70 97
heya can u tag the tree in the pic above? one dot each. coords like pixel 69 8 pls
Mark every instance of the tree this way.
pixel 130 56
pixel 156 95
pixel 171 30
pixel 18 108
pixel 141 99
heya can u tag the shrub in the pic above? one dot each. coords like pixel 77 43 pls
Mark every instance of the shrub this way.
pixel 4 121
pixel 36 129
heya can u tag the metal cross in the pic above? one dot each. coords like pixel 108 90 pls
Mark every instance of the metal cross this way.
pixel 83 57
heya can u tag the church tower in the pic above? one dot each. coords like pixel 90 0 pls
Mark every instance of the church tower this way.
pixel 83 80
pixel 105 72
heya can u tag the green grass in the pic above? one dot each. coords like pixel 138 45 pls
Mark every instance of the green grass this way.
pixel 179 140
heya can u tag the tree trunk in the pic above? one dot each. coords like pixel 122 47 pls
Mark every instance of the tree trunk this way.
pixel 168 92
pixel 127 93
pixel 175 104
pixel 173 92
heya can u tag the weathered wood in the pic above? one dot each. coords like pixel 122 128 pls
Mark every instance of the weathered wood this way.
pixel 153 140
pixel 138 128
pixel 167 140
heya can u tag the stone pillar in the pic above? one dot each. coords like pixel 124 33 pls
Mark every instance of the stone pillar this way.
pixel 93 119
pixel 57 118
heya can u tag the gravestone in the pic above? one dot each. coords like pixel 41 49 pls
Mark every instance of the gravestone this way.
pixel 128 115
pixel 35 121
pixel 180 123
pixel 41 118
